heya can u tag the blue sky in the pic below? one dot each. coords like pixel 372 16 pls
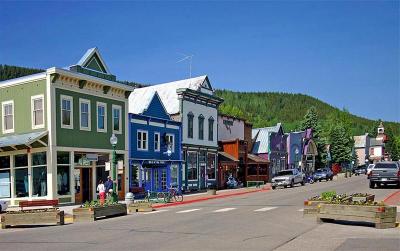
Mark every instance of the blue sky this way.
pixel 344 53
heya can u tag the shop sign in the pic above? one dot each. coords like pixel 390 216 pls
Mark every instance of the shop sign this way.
pixel 84 161
pixel 108 166
pixel 155 162
pixel 92 156
pixel 120 165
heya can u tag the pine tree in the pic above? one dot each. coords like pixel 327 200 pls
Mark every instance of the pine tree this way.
pixel 341 144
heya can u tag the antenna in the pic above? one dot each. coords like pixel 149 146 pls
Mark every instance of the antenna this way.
pixel 186 57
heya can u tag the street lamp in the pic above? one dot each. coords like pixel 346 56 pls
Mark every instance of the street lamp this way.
pixel 296 151
pixel 114 141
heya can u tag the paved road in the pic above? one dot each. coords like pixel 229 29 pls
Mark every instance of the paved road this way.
pixel 270 220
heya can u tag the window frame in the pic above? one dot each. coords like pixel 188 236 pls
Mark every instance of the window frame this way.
pixel 116 107
pixel 158 143
pixel 85 101
pixel 201 127
pixel 3 121
pixel 173 141
pixel 105 116
pixel 141 148
pixel 33 98
pixel 190 119
pixel 211 132
pixel 71 116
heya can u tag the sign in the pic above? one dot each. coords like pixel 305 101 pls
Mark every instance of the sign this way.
pixel 156 162
pixel 84 161
pixel 92 156
pixel 120 165
pixel 108 166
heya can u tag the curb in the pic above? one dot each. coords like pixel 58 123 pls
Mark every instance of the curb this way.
pixel 210 198
pixel 391 195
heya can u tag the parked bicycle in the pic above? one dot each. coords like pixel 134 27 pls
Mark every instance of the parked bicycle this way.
pixel 172 194
pixel 158 196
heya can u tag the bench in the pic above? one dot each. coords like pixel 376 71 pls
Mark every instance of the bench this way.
pixel 38 203
pixel 138 192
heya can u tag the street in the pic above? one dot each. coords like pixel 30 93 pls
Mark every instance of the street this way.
pixel 267 220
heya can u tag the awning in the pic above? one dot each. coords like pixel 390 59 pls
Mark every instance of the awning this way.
pixel 255 158
pixel 24 141
pixel 223 156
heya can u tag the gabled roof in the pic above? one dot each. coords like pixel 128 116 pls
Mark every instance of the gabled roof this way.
pixel 138 105
pixel 376 142
pixel 261 138
pixel 360 141
pixel 167 93
pixel 91 58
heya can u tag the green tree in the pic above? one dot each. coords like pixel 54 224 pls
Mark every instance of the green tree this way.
pixel 341 144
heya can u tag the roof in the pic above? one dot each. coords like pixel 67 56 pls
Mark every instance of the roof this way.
pixel 360 141
pixel 261 138
pixel 21 139
pixel 167 93
pixel 227 157
pixel 376 142
pixel 257 159
pixel 88 55
pixel 24 78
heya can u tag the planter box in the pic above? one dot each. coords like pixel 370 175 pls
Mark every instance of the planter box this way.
pixel 369 197
pixel 140 207
pixel 94 213
pixel 212 191
pixel 311 207
pixel 381 216
pixel 32 217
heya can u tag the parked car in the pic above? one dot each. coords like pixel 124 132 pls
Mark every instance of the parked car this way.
pixel 369 169
pixel 385 173
pixel 287 178
pixel 3 205
pixel 360 170
pixel 323 174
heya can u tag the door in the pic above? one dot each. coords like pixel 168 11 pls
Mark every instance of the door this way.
pixel 83 185
pixel 147 179
pixel 203 180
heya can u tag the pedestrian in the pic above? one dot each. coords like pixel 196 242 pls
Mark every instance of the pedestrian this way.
pixel 102 192
pixel 109 186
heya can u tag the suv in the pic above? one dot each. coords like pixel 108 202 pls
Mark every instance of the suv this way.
pixel 323 174
pixel 288 177
pixel 385 173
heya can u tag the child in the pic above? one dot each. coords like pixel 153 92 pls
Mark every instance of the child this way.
pixel 102 191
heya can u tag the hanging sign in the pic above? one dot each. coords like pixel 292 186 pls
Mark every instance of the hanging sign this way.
pixel 120 165
pixel 108 166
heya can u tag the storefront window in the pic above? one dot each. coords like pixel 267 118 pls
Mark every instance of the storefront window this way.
pixel 192 165
pixel 63 176
pixel 174 175
pixel 252 170
pixel 211 167
pixel 5 182
pixel 135 176
pixel 21 182
pixel 21 160
pixel 39 171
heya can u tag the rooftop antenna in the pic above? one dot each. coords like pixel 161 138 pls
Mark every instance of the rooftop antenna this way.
pixel 187 57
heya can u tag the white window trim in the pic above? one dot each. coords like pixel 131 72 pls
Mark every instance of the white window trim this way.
pixel 41 96
pixel 159 142
pixel 2 116
pixel 85 101
pixel 105 116
pixel 71 99
pixel 118 107
pixel 173 141
pixel 141 144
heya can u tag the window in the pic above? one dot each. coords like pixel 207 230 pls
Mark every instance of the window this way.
pixel 63 175
pixel 211 166
pixel 37 106
pixel 174 175
pixel 142 140
pixel 190 125
pixel 117 119
pixel 201 127
pixel 84 115
pixel 192 165
pixel 8 116
pixel 39 177
pixel 171 141
pixel 101 117
pixel 156 141
pixel 5 181
pixel 67 112
pixel 211 129
pixel 21 180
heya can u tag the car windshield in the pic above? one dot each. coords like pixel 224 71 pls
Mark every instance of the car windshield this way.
pixel 286 172
pixel 385 165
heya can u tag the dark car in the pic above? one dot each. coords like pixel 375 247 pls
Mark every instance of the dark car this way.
pixel 385 173
pixel 360 170
pixel 323 174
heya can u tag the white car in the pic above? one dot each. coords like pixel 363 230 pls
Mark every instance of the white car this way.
pixel 3 205
pixel 369 169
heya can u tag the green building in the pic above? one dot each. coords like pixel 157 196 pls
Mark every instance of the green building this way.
pixel 55 132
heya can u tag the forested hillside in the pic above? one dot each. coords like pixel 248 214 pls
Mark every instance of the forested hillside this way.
pixel 9 71
pixel 268 108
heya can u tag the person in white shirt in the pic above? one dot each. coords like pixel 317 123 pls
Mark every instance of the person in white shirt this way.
pixel 102 191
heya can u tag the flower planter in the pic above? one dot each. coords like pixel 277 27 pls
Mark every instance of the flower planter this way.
pixel 140 206
pixel 94 213
pixel 311 207
pixel 32 217
pixel 212 191
pixel 381 216
pixel 363 198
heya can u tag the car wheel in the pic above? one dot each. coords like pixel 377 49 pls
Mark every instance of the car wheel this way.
pixel 273 187
pixel 327 179
pixel 331 178
pixel 303 183
pixel 371 185
pixel 285 186
pixel 292 183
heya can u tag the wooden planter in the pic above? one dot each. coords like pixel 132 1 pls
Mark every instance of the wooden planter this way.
pixel 369 198
pixel 311 207
pixel 94 213
pixel 381 216
pixel 140 207
pixel 32 217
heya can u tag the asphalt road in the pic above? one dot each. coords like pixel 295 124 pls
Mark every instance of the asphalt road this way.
pixel 269 220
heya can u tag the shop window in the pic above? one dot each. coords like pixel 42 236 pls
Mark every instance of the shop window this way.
pixel 252 170
pixel 5 182
pixel 135 176
pixel 67 112
pixel 39 174
pixel 63 175
pixel 211 167
pixel 192 165
pixel 201 127
pixel 21 182
pixel 174 175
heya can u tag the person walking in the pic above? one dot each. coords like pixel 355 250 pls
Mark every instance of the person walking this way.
pixel 109 186
pixel 102 192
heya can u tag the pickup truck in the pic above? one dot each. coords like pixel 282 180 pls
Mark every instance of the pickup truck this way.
pixel 288 177
pixel 385 173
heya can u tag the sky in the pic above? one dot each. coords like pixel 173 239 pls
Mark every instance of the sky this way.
pixel 345 53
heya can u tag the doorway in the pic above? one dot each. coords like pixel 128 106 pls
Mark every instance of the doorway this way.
pixel 83 185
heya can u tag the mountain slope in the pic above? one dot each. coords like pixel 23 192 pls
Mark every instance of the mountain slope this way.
pixel 268 108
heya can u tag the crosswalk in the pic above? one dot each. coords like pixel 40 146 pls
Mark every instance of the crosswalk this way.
pixel 219 210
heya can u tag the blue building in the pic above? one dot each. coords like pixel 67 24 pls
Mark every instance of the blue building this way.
pixel 155 152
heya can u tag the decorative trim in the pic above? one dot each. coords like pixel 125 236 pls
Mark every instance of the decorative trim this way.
pixel 156 124
pixel 139 121
pixel 106 89
pixel 54 77
pixel 82 83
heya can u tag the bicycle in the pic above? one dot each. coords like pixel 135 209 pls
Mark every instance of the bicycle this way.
pixel 158 196
pixel 173 193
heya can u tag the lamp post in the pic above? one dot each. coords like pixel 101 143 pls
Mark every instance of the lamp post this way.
pixel 114 141
pixel 296 151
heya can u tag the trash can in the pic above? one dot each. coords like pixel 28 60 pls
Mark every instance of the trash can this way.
pixel 129 197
